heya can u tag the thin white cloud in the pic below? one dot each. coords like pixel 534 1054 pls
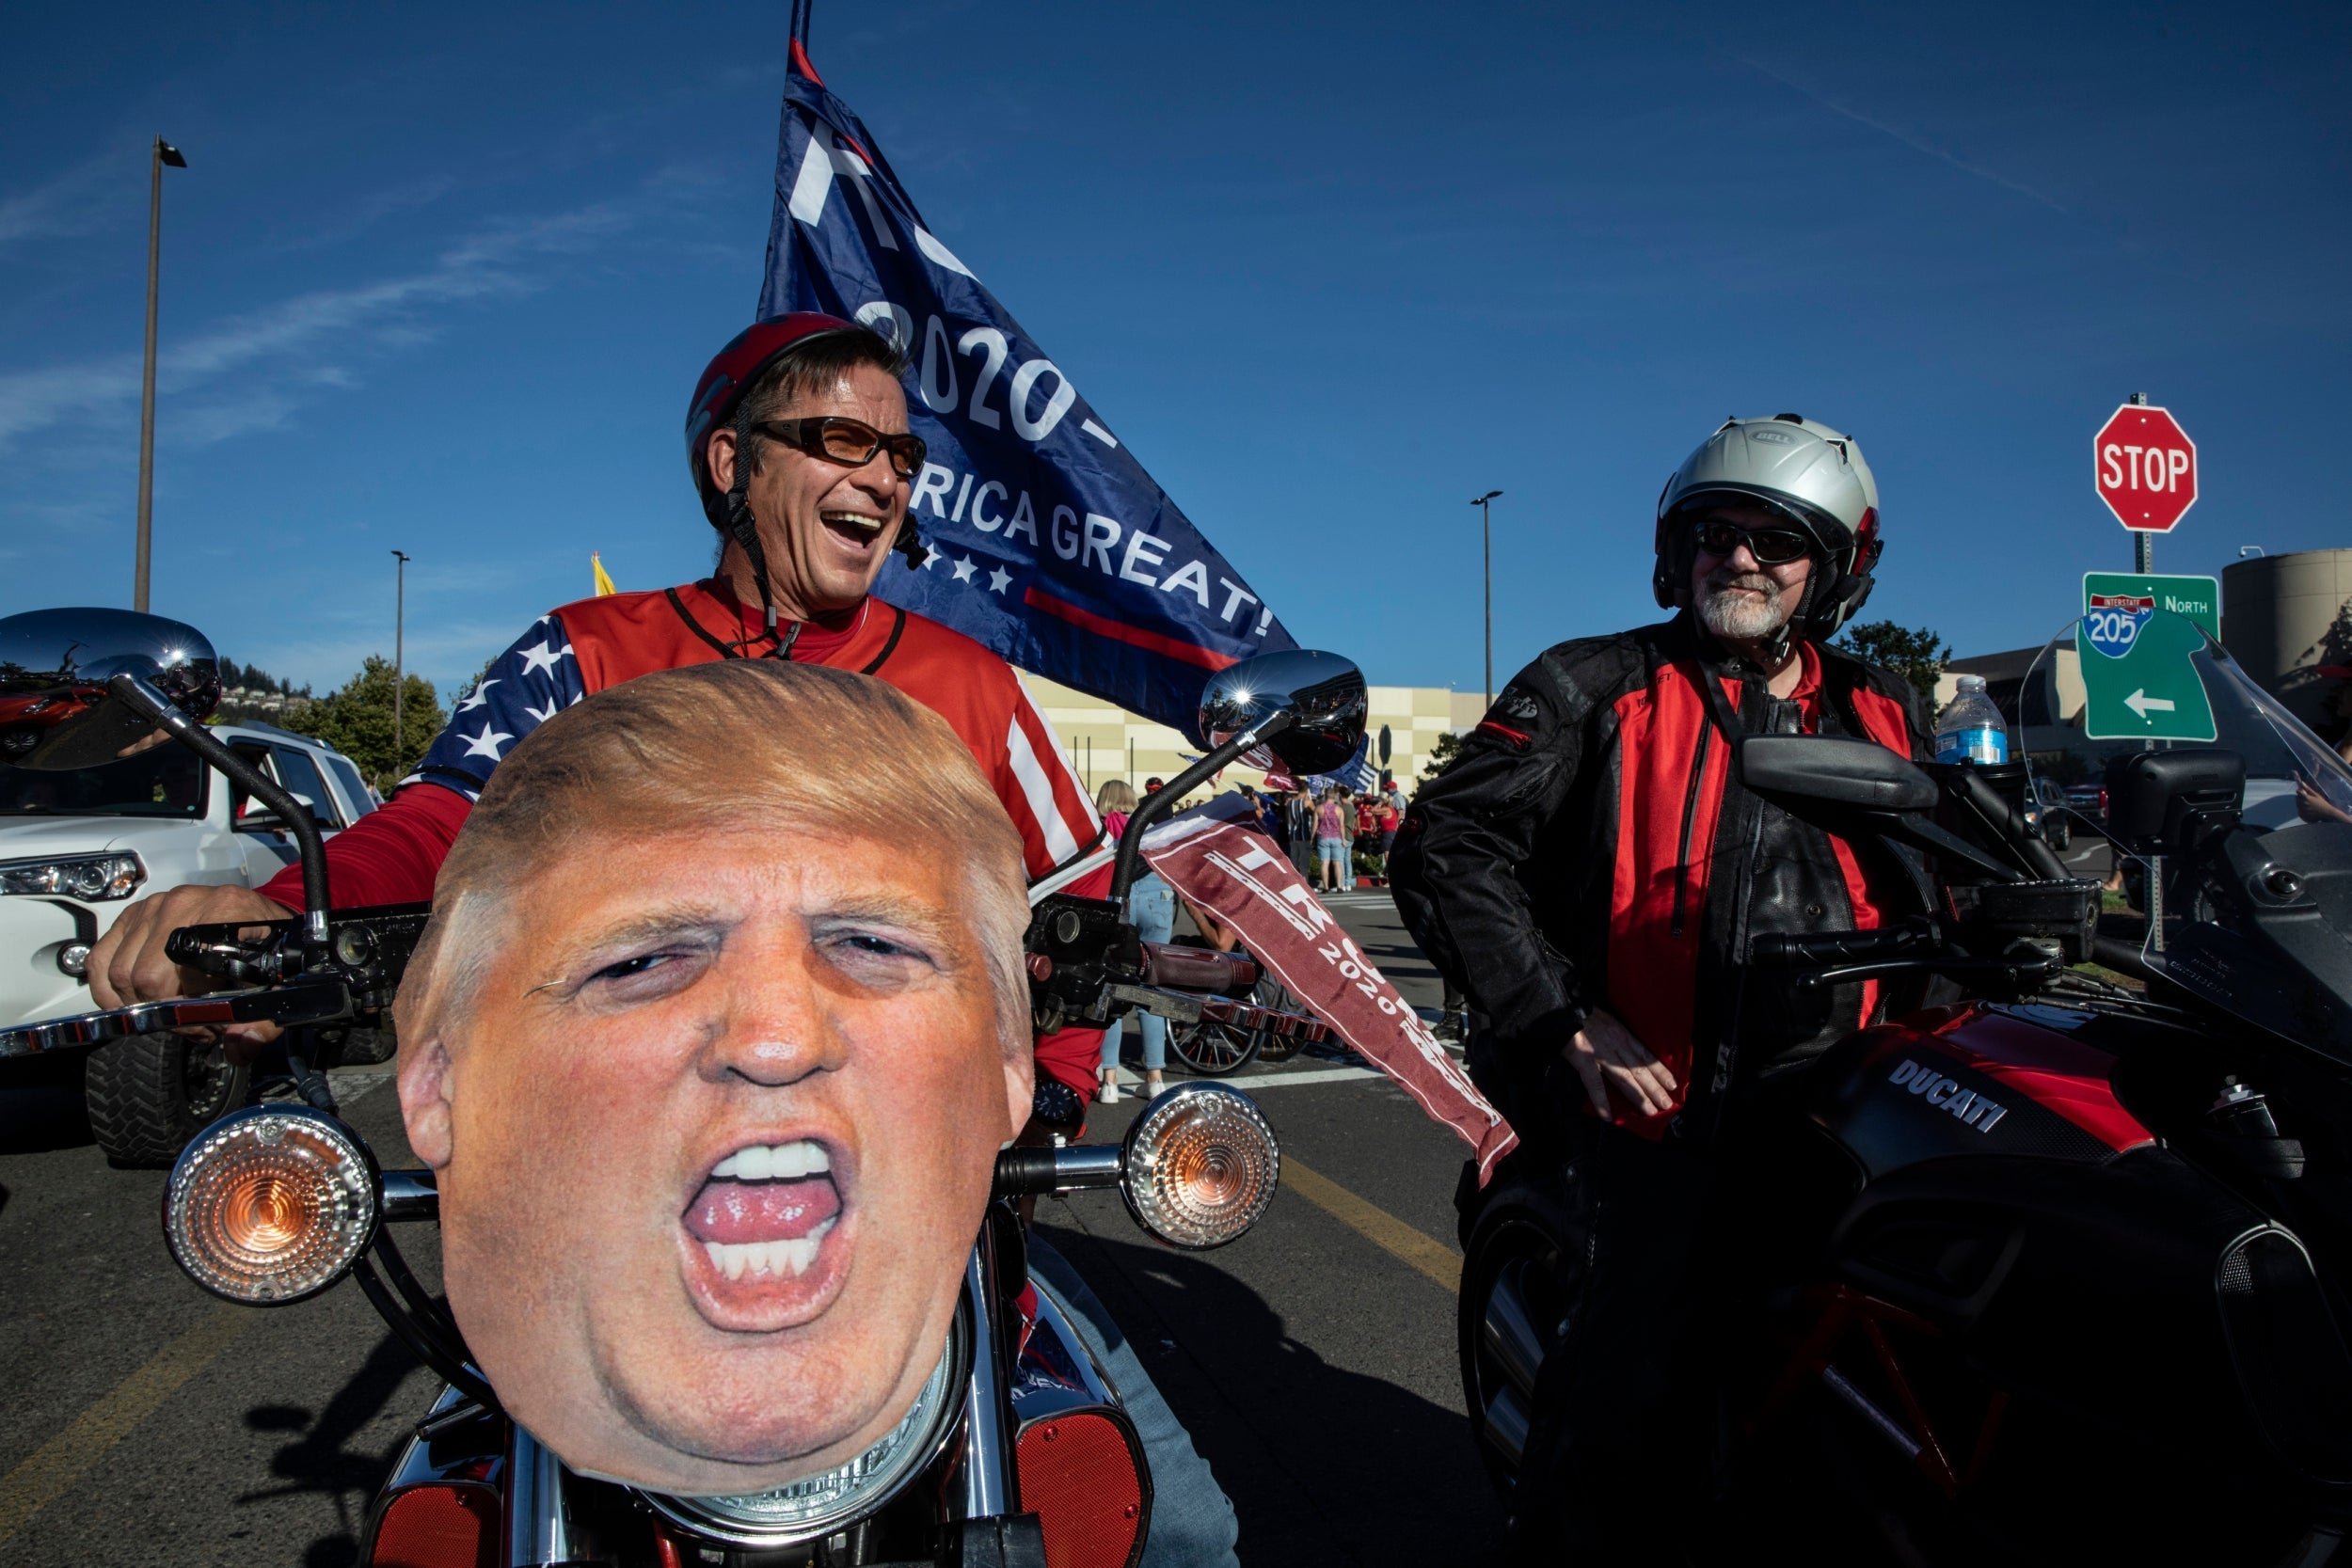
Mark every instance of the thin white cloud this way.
pixel 1906 137
pixel 81 201
pixel 279 340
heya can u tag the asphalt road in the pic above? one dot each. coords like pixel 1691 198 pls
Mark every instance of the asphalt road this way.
pixel 1313 1361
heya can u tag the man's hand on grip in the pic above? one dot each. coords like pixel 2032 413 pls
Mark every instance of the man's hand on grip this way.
pixel 128 965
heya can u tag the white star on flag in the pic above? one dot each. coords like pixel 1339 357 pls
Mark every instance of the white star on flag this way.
pixel 486 744
pixel 544 657
pixel 481 695
pixel 1000 580
pixel 964 569
pixel 538 717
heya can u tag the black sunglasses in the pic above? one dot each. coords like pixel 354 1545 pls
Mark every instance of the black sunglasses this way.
pixel 1772 547
pixel 850 443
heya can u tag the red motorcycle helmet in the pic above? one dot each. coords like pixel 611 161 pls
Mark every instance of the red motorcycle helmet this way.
pixel 731 371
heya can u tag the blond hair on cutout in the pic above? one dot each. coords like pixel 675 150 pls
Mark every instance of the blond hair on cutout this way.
pixel 1114 794
pixel 740 744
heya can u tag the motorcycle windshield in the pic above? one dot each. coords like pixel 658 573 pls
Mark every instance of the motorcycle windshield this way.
pixel 2118 682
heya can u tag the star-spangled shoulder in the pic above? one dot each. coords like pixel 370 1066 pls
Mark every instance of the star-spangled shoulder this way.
pixel 999 580
pixel 964 569
pixel 544 656
pixel 534 680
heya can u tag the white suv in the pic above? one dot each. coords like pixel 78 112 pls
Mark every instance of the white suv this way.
pixel 76 848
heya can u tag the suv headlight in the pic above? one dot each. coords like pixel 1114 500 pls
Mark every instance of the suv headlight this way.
pixel 96 879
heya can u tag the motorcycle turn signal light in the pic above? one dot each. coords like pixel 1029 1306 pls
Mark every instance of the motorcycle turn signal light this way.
pixel 1201 1166
pixel 271 1204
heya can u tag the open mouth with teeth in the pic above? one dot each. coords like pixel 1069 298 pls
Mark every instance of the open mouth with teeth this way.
pixel 758 1228
pixel 857 528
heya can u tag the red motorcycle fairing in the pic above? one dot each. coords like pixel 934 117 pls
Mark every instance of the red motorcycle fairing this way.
pixel 1976 1078
pixel 2024 1281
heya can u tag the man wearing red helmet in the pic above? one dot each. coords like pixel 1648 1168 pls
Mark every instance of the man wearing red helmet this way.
pixel 807 522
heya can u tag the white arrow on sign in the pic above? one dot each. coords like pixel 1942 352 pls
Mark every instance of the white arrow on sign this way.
pixel 2142 703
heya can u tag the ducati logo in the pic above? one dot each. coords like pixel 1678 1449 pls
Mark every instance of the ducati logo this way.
pixel 1946 1095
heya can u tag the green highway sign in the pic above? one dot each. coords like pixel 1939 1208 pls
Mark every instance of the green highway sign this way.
pixel 2138 681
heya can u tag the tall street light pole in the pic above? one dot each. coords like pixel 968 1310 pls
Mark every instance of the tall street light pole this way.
pixel 1487 528
pixel 400 683
pixel 164 153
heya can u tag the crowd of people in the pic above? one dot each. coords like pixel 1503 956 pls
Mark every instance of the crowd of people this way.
pixel 1333 834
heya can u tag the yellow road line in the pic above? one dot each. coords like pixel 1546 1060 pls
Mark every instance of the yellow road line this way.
pixel 1424 1252
pixel 58 1463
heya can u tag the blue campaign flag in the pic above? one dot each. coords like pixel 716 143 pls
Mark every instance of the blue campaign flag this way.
pixel 1049 542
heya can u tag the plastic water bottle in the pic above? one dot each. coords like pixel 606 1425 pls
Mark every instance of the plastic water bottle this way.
pixel 1970 728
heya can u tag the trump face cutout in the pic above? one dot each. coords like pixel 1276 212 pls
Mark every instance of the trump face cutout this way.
pixel 713 1057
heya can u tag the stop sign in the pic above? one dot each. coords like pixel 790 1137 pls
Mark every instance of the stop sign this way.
pixel 2145 467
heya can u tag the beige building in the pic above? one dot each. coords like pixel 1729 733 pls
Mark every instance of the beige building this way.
pixel 1106 742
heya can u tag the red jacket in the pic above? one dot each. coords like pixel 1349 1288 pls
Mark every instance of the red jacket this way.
pixel 392 856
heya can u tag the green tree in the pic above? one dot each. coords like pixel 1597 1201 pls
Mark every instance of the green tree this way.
pixel 1441 756
pixel 357 721
pixel 1917 656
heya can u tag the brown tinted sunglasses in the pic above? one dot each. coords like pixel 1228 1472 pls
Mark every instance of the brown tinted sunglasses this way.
pixel 850 443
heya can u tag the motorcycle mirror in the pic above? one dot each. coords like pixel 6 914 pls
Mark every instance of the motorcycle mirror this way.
pixel 1324 691
pixel 271 1204
pixel 56 712
pixel 1839 770
pixel 1200 1165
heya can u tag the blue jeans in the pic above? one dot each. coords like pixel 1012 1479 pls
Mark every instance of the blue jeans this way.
pixel 1152 904
pixel 1192 1520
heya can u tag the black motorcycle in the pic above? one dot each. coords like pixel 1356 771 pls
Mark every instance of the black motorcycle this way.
pixel 1018 1450
pixel 2053 1272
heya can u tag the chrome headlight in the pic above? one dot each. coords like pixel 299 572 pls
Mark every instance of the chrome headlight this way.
pixel 836 1498
pixel 271 1204
pixel 1201 1166
pixel 93 879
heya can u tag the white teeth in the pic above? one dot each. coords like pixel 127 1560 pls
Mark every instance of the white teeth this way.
pixel 763 1260
pixel 775 1162
pixel 857 521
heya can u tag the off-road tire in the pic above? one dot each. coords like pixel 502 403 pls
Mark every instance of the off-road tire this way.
pixel 148 1095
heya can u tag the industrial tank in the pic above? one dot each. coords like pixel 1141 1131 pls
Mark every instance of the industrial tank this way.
pixel 2281 616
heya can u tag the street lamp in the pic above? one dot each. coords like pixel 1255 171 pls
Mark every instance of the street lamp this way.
pixel 1487 528
pixel 164 153
pixel 399 616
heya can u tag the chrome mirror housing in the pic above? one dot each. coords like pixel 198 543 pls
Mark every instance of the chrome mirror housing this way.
pixel 1325 691
pixel 56 712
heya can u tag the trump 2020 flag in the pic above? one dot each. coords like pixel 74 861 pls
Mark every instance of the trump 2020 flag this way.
pixel 1049 542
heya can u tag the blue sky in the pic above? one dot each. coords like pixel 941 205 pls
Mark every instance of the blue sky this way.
pixel 439 278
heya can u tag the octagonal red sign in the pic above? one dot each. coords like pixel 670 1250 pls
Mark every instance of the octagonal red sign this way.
pixel 2145 467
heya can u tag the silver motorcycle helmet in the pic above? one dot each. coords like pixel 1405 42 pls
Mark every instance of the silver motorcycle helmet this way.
pixel 1800 468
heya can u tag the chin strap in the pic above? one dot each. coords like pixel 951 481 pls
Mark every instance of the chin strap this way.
pixel 741 527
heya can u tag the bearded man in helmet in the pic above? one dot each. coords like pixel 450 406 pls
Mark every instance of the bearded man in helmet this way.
pixel 1589 873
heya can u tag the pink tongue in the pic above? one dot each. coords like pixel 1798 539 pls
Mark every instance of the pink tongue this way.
pixel 734 1211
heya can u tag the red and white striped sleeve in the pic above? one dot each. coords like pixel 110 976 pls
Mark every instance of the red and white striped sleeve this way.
pixel 1047 802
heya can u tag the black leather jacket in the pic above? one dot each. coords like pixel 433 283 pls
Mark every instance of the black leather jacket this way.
pixel 1593 847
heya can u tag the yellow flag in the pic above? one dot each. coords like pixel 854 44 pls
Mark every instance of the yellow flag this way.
pixel 604 582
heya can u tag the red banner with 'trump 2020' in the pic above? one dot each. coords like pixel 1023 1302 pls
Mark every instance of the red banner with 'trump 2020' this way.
pixel 1239 876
